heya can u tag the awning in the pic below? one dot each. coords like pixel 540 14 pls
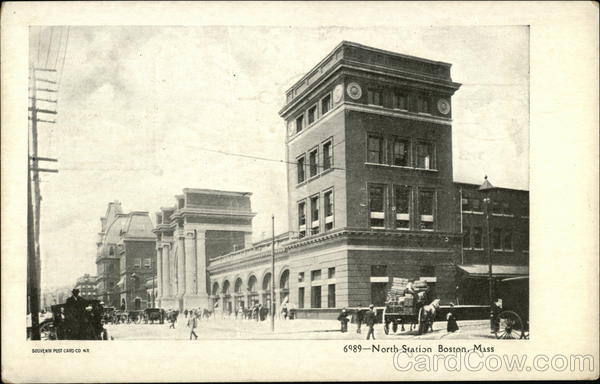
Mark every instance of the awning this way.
pixel 481 270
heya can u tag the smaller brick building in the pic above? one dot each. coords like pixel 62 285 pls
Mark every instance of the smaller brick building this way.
pixel 87 286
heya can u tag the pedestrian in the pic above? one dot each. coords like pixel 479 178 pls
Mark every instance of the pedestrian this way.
pixel 172 319
pixel 343 319
pixel 452 325
pixel 370 318
pixel 359 317
pixel 185 313
pixel 193 324
pixel 284 311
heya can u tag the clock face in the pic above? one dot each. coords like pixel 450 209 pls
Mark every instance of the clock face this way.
pixel 338 92
pixel 443 106
pixel 354 91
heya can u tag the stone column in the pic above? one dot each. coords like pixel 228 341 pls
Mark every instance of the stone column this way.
pixel 159 274
pixel 166 272
pixel 200 249
pixel 180 254
pixel 190 263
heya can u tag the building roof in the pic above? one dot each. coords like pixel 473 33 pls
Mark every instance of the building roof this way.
pixel 476 186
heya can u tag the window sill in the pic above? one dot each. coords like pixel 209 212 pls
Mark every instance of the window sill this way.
pixel 477 249
pixel 377 228
pixel 376 164
pixel 323 172
pixel 401 166
pixel 473 212
pixel 402 229
pixel 426 169
pixel 312 178
pixel 502 215
pixel 302 183
pixel 427 230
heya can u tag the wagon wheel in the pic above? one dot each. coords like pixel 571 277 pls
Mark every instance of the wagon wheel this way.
pixel 47 331
pixel 510 326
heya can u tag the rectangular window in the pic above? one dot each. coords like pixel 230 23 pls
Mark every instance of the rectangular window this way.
pixel 375 97
pixel 476 205
pixel 315 275
pixel 299 123
pixel 507 241
pixel 466 207
pixel 331 296
pixel 301 297
pixel 315 297
pixel 401 152
pixel 477 238
pixel 402 205
pixel 331 273
pixel 313 162
pixel 300 277
pixel 426 209
pixel 147 263
pixel 137 262
pixel 325 104
pixel 312 114
pixel 376 212
pixel 302 219
pixel 425 156
pixel 328 201
pixel 314 215
pixel 375 149
pixel 497 238
pixel 506 208
pixel 423 104
pixel 327 155
pixel 400 101
pixel 378 270
pixel 496 207
pixel 467 238
pixel 300 163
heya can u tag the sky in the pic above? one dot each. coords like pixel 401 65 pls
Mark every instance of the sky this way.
pixel 141 111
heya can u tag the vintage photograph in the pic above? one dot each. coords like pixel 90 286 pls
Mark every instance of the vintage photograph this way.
pixel 247 182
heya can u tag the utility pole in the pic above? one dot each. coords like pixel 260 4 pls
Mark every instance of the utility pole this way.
pixel 273 274
pixel 34 202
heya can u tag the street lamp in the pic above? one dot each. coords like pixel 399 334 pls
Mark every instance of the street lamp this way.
pixel 485 189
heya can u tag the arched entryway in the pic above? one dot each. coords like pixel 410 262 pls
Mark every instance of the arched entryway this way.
pixel 227 304
pixel 266 287
pixel 238 294
pixel 215 295
pixel 252 290
pixel 284 287
pixel 137 304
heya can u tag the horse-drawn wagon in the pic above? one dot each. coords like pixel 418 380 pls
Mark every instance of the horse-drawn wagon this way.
pixel 408 306
pixel 511 319
pixel 81 321
pixel 154 314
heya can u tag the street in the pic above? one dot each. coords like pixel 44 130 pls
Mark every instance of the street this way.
pixel 230 329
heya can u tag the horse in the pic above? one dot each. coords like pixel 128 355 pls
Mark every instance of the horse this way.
pixel 427 316
pixel 206 314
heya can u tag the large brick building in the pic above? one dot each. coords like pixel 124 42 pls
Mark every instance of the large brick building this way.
pixel 370 192
pixel 125 258
pixel 86 285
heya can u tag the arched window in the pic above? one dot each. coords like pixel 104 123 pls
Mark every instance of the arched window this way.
pixel 252 284
pixel 284 281
pixel 226 287
pixel 215 289
pixel 238 286
pixel 266 282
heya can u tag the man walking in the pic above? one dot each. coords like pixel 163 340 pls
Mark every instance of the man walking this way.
pixel 193 324
pixel 370 319
pixel 359 317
